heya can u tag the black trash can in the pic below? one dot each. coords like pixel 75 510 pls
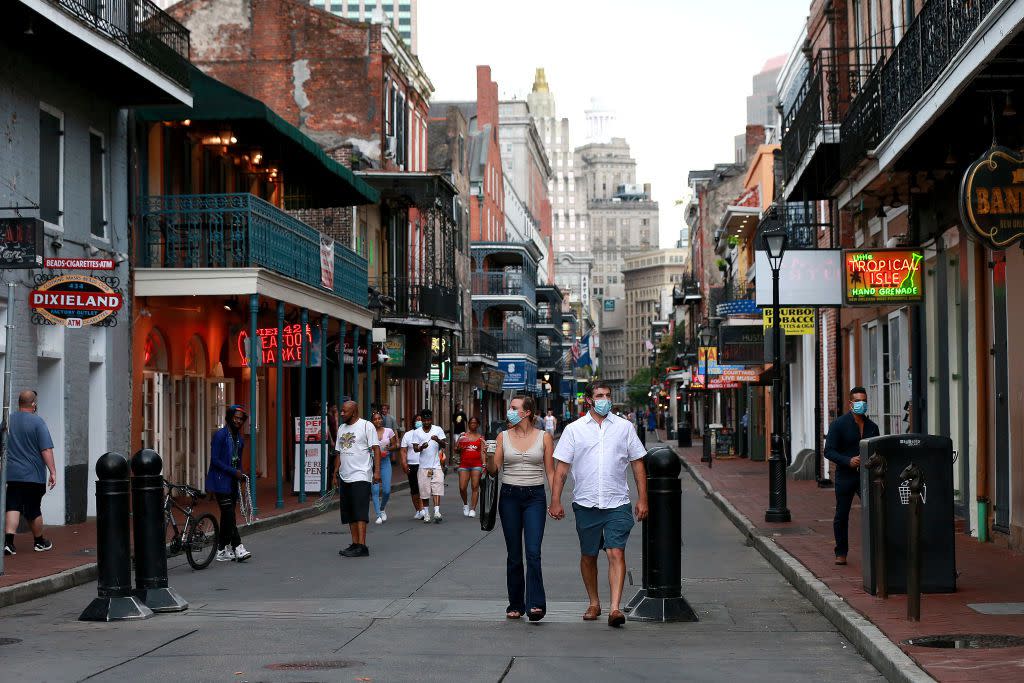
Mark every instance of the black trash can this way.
pixel 934 455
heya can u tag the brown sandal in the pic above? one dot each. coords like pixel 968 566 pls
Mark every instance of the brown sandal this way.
pixel 616 618
pixel 592 613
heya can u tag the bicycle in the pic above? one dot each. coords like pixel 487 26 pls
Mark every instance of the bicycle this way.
pixel 198 536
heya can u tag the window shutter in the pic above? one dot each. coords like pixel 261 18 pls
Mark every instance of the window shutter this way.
pixel 49 167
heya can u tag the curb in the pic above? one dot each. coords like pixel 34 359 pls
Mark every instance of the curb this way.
pixel 875 646
pixel 86 573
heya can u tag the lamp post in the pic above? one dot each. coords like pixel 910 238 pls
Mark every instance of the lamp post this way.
pixel 707 336
pixel 775 246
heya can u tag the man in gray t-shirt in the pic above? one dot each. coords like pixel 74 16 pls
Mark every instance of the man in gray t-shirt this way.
pixel 29 456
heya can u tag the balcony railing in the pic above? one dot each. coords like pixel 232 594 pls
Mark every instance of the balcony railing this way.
pixel 551 358
pixel 514 339
pixel 928 47
pixel 486 344
pixel 549 317
pixel 242 231
pixel 800 220
pixel 141 27
pixel 414 299
pixel 509 282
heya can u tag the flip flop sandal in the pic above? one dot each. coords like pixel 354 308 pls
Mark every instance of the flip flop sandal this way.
pixel 592 613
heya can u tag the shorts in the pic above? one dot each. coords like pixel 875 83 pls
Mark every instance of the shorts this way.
pixel 474 468
pixel 600 529
pixel 25 497
pixel 355 501
pixel 432 485
pixel 414 482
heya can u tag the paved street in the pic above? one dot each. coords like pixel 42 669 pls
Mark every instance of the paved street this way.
pixel 428 605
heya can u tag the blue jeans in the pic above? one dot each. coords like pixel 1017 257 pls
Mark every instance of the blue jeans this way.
pixel 380 493
pixel 522 510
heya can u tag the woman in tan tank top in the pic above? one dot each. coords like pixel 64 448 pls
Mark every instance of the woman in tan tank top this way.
pixel 524 455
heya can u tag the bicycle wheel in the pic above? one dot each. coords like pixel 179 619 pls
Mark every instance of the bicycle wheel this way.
pixel 202 541
pixel 172 539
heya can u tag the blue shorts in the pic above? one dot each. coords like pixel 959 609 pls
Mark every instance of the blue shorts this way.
pixel 600 529
pixel 471 469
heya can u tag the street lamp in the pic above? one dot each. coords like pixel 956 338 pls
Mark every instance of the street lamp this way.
pixel 775 245
pixel 707 336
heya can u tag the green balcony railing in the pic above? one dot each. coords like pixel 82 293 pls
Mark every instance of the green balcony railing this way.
pixel 242 231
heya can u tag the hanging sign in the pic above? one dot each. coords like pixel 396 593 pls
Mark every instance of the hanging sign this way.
pixel 394 346
pixel 75 301
pixel 326 262
pixel 883 276
pixel 21 242
pixel 794 320
pixel 992 198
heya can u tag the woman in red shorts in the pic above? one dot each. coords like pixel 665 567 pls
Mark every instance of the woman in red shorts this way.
pixel 470 447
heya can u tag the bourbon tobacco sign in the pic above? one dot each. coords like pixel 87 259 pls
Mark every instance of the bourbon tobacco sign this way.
pixel 992 198
pixel 883 276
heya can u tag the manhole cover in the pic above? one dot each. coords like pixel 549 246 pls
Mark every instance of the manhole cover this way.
pixel 9 641
pixel 967 641
pixel 321 665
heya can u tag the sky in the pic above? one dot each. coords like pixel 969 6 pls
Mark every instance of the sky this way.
pixel 677 72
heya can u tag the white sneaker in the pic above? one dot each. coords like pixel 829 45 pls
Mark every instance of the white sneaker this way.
pixel 426 517
pixel 419 514
pixel 383 515
pixel 437 515
pixel 379 520
pixel 225 555
pixel 472 513
pixel 465 511
pixel 241 554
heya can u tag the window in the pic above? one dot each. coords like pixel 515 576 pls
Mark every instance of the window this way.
pixel 97 186
pixel 51 165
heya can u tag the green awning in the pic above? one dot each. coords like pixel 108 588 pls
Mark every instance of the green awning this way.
pixel 324 181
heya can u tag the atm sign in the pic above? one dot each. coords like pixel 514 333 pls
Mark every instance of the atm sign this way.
pixel 883 276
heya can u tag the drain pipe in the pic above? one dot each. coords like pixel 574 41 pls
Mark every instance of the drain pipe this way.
pixel 981 373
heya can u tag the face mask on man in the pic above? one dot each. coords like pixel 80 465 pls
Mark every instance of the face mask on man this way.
pixel 419 424
pixel 513 417
pixel 860 407
pixel 603 406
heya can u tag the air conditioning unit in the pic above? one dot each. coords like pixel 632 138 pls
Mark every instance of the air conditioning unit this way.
pixel 392 147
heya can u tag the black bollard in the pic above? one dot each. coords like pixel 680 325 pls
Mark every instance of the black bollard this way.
pixel 662 593
pixel 114 601
pixel 913 478
pixel 876 466
pixel 148 526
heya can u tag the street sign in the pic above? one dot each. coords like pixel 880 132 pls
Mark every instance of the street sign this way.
pixel 74 301
pixel 21 242
pixel 795 321
pixel 883 276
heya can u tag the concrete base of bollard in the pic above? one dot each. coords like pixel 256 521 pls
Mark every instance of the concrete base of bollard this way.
pixel 637 599
pixel 161 599
pixel 115 609
pixel 661 609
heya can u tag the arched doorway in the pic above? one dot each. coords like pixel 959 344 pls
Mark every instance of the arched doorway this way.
pixel 191 442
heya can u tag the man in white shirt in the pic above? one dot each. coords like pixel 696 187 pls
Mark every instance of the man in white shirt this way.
pixel 550 423
pixel 429 442
pixel 358 465
pixel 598 448
pixel 411 467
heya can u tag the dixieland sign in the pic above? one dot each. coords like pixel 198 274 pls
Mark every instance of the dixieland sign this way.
pixel 75 300
pixel 992 198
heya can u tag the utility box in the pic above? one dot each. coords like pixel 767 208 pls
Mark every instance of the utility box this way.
pixel 934 455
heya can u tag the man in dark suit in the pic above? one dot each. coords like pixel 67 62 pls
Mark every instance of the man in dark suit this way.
pixel 842 446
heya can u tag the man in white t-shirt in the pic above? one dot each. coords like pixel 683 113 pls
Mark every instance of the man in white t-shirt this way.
pixel 411 467
pixel 550 423
pixel 358 461
pixel 429 442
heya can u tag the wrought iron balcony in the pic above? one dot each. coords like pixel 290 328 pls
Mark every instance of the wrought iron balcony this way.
pixel 139 26
pixel 547 316
pixel 894 87
pixel 800 220
pixel 486 344
pixel 241 231
pixel 551 359
pixel 417 300
pixel 508 282
pixel 514 339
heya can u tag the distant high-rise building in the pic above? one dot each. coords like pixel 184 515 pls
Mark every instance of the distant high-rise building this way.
pixel 401 13
pixel 602 124
pixel 761 105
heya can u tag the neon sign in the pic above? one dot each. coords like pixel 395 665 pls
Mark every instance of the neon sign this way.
pixel 883 276
pixel 290 348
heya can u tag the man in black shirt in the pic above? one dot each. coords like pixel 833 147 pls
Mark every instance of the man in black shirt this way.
pixel 842 446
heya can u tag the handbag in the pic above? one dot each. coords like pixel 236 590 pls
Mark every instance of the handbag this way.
pixel 489 485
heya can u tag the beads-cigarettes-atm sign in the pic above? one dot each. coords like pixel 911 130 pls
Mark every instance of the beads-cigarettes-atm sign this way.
pixel 883 276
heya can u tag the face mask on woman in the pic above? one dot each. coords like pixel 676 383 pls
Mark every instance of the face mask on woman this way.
pixel 513 417
pixel 603 406
pixel 419 424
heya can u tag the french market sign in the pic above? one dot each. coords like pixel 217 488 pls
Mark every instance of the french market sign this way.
pixel 74 301
pixel 883 276
pixel 992 198
pixel 794 320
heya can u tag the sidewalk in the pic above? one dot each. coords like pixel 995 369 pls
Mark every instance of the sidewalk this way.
pixel 987 574
pixel 72 562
